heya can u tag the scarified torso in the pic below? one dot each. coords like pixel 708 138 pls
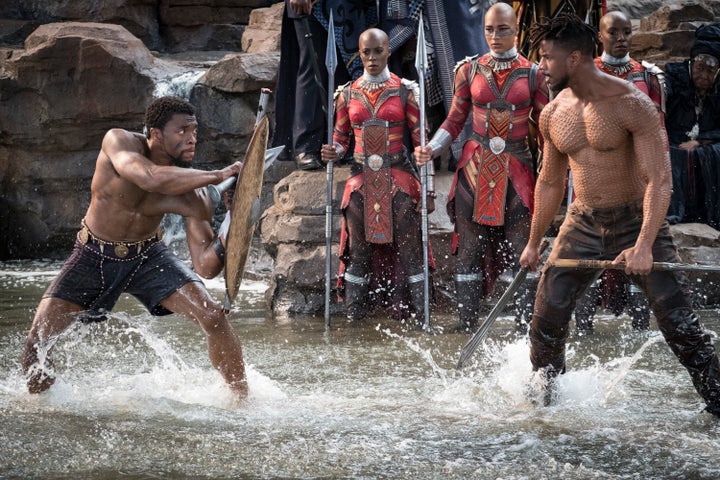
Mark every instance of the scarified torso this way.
pixel 603 142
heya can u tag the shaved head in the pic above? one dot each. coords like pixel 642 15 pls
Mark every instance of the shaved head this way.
pixel 375 34
pixel 610 17
pixel 615 34
pixel 500 28
pixel 374 50
pixel 504 9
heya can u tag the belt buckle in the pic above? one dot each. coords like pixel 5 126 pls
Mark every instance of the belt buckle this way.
pixel 375 162
pixel 497 145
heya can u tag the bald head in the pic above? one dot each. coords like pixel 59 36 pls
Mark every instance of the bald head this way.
pixel 374 33
pixel 504 9
pixel 615 34
pixel 374 50
pixel 500 28
pixel 611 17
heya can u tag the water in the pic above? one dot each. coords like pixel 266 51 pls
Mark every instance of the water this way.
pixel 137 398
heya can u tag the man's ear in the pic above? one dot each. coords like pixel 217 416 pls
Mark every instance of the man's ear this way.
pixel 155 133
pixel 575 57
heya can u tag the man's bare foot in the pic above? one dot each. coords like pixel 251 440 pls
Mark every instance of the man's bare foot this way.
pixel 240 389
pixel 39 380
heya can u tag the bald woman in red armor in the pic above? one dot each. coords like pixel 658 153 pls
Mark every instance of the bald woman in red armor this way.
pixel 610 135
pixel 380 240
pixel 491 198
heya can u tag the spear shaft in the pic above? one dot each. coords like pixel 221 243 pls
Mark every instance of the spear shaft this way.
pixel 331 65
pixel 421 67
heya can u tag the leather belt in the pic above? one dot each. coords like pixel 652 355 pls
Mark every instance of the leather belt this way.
pixel 389 160
pixel 118 249
pixel 510 146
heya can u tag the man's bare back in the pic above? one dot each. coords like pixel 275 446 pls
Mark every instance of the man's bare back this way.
pixel 603 142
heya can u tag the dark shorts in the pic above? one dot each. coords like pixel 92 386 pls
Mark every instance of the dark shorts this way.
pixel 95 279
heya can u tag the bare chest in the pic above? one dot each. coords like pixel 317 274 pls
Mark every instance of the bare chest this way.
pixel 575 128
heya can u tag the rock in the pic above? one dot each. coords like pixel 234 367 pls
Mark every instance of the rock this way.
pixel 243 72
pixel 60 96
pixel 674 16
pixel 635 8
pixel 263 31
pixel 692 235
pixel 162 25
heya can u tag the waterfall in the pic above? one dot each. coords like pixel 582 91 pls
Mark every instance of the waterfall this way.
pixel 179 85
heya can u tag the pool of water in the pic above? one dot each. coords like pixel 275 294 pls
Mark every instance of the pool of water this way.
pixel 136 397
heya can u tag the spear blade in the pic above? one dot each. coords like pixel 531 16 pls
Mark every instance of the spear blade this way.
pixel 330 52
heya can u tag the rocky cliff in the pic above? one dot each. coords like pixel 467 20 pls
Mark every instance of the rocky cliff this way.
pixel 69 71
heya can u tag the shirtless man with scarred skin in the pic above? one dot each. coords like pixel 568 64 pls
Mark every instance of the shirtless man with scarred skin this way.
pixel 610 135
pixel 138 180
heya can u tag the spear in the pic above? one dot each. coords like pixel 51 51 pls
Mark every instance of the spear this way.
pixel 331 65
pixel 607 264
pixel 482 332
pixel 421 67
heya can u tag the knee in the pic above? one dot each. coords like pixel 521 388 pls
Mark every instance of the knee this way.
pixel 213 320
pixel 681 323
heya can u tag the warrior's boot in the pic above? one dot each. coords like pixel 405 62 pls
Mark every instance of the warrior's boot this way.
pixel 468 288
pixel 638 307
pixel 525 302
pixel 695 350
pixel 356 293
pixel 416 283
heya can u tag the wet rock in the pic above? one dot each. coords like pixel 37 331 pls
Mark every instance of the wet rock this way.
pixel 60 96
pixel 293 233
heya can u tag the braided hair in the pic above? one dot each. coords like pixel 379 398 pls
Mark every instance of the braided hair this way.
pixel 162 109
pixel 566 30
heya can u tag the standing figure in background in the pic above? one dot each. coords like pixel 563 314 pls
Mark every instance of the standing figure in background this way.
pixel 491 198
pixel 137 180
pixel 693 126
pixel 609 133
pixel 300 93
pixel 380 240
pixel 615 34
pixel 529 12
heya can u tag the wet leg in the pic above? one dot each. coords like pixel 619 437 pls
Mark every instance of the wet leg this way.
pixel 52 318
pixel 224 347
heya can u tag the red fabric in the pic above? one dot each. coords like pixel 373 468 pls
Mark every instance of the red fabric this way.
pixel 478 92
pixel 386 106
pixel 402 181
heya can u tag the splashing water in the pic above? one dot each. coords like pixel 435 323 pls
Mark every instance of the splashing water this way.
pixel 136 397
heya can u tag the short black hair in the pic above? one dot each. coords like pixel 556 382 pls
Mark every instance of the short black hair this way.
pixel 566 30
pixel 162 109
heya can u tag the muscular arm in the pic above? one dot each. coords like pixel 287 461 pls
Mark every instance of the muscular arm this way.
pixel 653 163
pixel 550 186
pixel 549 192
pixel 125 151
pixel 200 236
